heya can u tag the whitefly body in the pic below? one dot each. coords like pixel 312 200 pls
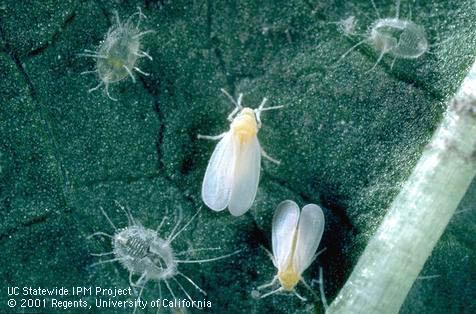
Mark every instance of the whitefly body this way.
pixel 141 250
pixel 394 36
pixel 232 175
pixel 399 38
pixel 119 52
pixel 295 238
pixel 148 256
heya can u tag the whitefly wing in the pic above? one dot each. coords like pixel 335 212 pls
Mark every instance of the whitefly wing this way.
pixel 218 180
pixel 245 176
pixel 285 221
pixel 309 234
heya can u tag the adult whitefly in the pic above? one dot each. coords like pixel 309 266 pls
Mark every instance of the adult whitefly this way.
pixel 296 235
pixel 232 175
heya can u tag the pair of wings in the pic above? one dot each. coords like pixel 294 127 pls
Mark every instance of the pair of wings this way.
pixel 232 175
pixel 295 235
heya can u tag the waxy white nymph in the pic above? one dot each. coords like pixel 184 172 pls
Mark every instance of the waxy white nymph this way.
pixel 296 237
pixel 232 175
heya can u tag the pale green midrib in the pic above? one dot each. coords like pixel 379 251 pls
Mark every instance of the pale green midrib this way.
pixel 416 219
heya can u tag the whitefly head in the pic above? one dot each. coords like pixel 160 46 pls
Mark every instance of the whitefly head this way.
pixel 119 52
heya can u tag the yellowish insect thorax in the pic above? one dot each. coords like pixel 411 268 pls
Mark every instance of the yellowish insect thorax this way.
pixel 288 278
pixel 244 125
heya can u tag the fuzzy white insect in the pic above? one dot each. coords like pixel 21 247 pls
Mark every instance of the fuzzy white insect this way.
pixel 295 238
pixel 399 38
pixel 150 257
pixel 347 26
pixel 232 175
pixel 118 53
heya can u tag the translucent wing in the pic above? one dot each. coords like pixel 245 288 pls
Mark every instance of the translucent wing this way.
pixel 309 234
pixel 218 180
pixel 285 221
pixel 246 176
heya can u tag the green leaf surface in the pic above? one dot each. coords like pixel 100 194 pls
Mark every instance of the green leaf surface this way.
pixel 347 139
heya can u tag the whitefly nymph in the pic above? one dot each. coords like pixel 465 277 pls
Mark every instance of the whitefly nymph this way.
pixel 232 175
pixel 148 256
pixel 295 238
pixel 119 52
pixel 394 36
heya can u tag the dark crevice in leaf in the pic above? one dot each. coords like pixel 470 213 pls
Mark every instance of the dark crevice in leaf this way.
pixel 124 179
pixel 69 19
pixel 66 183
pixel 153 88
pixel 214 44
pixel 33 221
pixel 336 210
pixel 105 12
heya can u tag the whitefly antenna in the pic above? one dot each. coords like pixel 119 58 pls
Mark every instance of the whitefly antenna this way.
pixel 261 108
pixel 107 218
pixel 397 9
pixel 237 104
pixel 130 219
pixel 376 10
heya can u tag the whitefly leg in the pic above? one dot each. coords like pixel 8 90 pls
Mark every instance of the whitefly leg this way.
pixel 143 33
pixel 349 51
pixel 130 73
pixel 142 54
pixel 321 289
pixel 265 155
pixel 107 93
pixel 300 297
pixel 280 289
pixel 102 254
pixel 88 72
pixel 141 72
pixel 378 60
pixel 96 88
pixel 269 284
pixel 211 137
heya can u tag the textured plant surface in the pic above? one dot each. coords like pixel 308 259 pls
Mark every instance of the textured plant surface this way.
pixel 348 139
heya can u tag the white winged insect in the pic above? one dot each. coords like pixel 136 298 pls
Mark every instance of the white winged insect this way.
pixel 232 175
pixel 295 236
